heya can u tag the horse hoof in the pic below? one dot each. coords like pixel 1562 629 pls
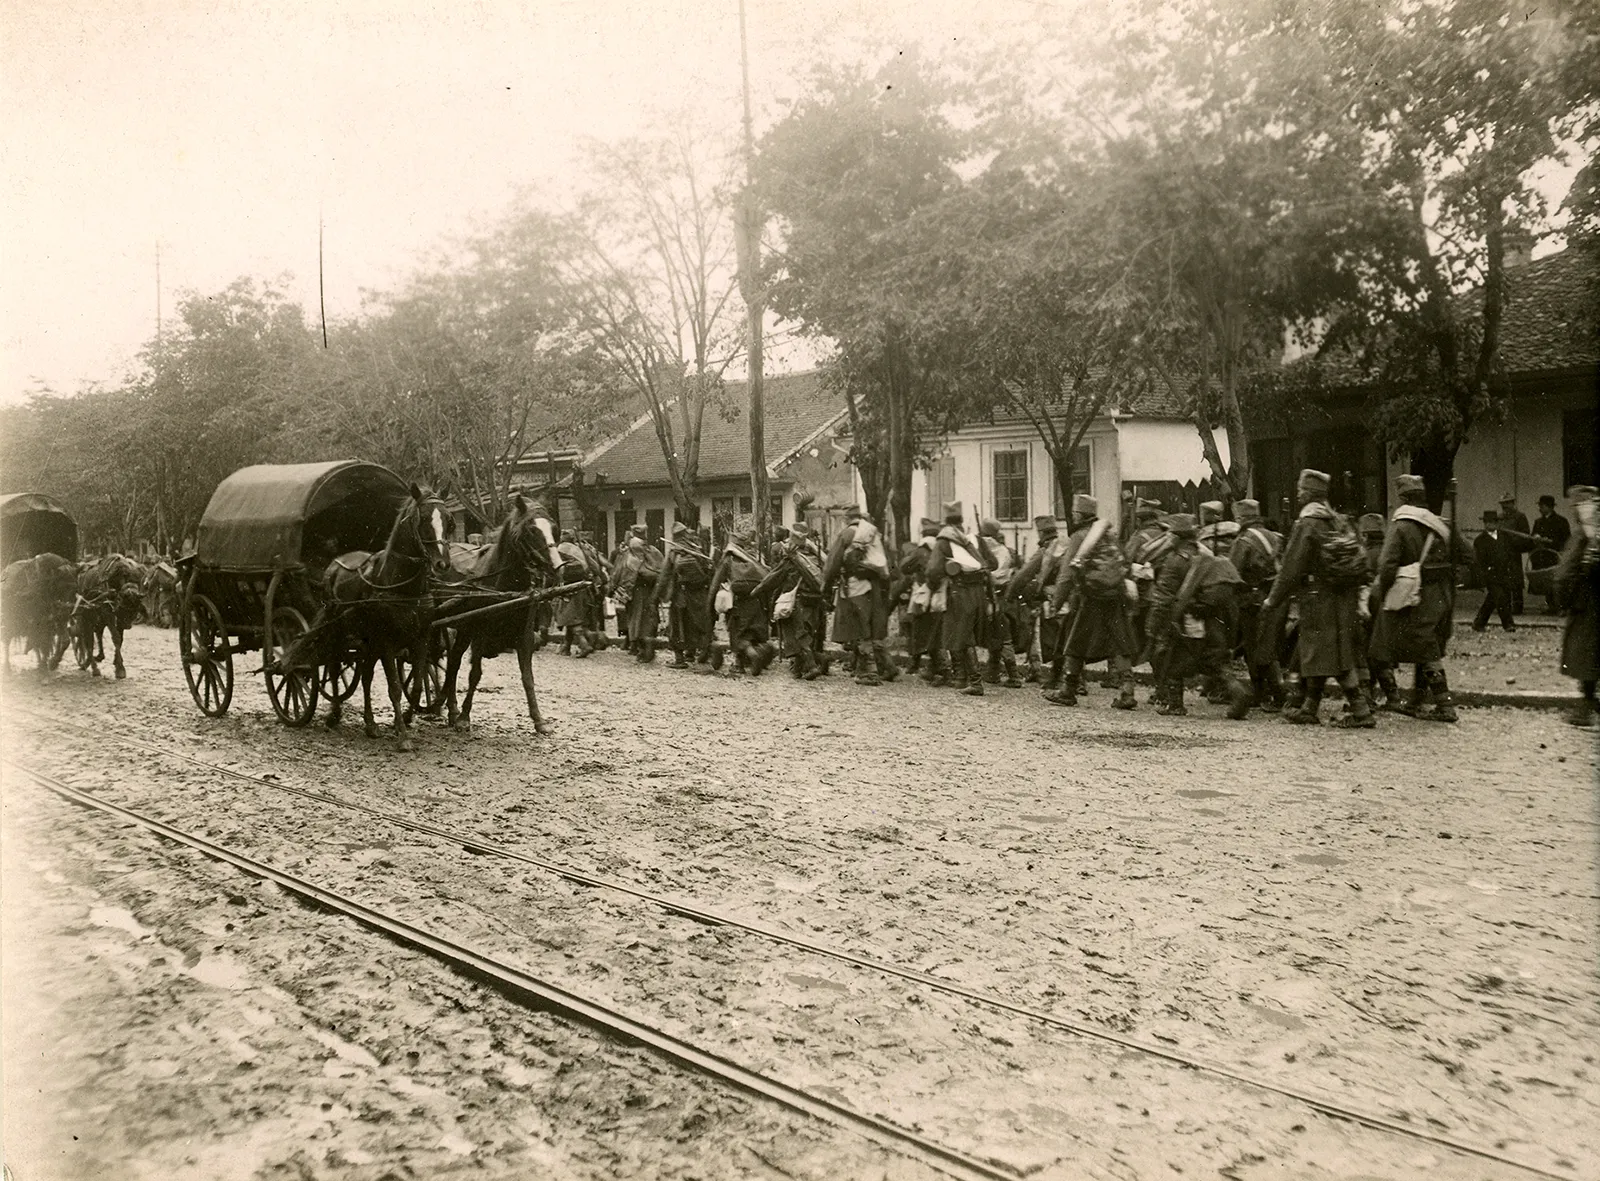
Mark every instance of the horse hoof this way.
pixel 374 732
pixel 541 728
pixel 461 726
pixel 404 744
pixel 122 674
pixel 94 671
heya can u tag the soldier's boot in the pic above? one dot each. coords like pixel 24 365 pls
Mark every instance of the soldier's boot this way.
pixel 566 643
pixel 1125 698
pixel 1068 682
pixel 974 687
pixel 1294 693
pixel 1305 714
pixel 647 652
pixel 680 659
pixel 1444 706
pixel 1172 700
pixel 1418 698
pixel 811 667
pixel 915 663
pixel 1035 673
pixel 1053 682
pixel 1358 713
pixel 942 669
pixel 1387 686
pixel 991 668
pixel 888 670
pixel 1240 698
pixel 765 654
pixel 581 639
pixel 1008 660
pixel 1271 700
pixel 863 669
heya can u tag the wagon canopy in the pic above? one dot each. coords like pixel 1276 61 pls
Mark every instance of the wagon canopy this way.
pixel 283 516
pixel 32 524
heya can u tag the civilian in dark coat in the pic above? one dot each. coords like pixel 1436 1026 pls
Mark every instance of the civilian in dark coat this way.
pixel 1577 583
pixel 1418 635
pixel 1552 530
pixel 1500 566
pixel 1330 631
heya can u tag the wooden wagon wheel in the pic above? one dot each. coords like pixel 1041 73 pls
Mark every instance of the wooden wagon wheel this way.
pixel 293 689
pixel 423 680
pixel 207 656
pixel 339 681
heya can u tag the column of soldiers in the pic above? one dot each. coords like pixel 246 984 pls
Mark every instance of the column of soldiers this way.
pixel 1336 608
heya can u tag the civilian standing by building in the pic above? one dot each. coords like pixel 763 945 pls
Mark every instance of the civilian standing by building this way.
pixel 1552 530
pixel 1500 566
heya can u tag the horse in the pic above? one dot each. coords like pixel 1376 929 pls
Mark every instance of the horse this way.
pixel 519 557
pixel 381 602
pixel 110 595
pixel 36 605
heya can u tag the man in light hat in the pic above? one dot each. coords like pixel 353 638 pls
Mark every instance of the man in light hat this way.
pixel 858 573
pixel 1027 593
pixel 682 587
pixel 958 565
pixel 1418 635
pixel 1091 581
pixel 1003 629
pixel 1196 592
pixel 1255 555
pixel 1318 561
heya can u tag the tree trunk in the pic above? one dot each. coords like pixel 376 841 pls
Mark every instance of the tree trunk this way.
pixel 1435 462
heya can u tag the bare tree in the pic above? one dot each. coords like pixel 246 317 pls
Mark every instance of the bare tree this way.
pixel 657 282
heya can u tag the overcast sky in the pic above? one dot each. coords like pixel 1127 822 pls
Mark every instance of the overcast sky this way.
pixel 220 129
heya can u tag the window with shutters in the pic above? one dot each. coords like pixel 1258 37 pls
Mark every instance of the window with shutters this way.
pixel 941 486
pixel 1009 474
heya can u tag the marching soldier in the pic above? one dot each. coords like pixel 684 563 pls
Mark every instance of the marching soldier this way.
pixel 858 568
pixel 1255 554
pixel 957 564
pixel 682 587
pixel 1004 631
pixel 1091 578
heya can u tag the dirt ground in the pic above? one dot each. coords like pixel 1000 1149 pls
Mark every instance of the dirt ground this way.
pixel 1402 921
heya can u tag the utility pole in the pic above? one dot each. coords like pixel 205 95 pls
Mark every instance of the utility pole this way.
pixel 322 299
pixel 747 240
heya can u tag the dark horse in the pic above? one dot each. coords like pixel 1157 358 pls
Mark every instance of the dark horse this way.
pixel 110 595
pixel 519 557
pixel 380 603
pixel 36 604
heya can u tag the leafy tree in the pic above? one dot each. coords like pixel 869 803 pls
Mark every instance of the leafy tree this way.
pixel 844 173
pixel 1457 101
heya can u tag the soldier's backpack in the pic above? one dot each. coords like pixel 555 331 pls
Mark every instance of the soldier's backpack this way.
pixel 1105 567
pixel 1341 558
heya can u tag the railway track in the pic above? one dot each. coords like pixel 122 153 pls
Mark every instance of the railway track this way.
pixel 478 845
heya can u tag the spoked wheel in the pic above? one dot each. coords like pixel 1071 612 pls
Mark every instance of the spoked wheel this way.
pixel 339 680
pixel 423 680
pixel 207 656
pixel 293 689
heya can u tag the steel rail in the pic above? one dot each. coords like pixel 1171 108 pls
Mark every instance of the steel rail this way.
pixel 478 845
pixel 534 992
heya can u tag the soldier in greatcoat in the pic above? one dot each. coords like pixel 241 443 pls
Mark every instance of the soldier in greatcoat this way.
pixel 682 587
pixel 1097 623
pixel 1255 554
pixel 958 565
pixel 1418 635
pixel 1328 645
pixel 858 571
